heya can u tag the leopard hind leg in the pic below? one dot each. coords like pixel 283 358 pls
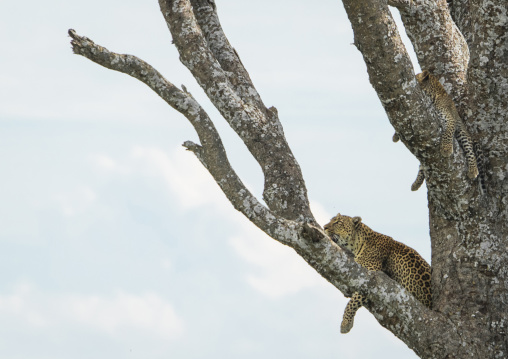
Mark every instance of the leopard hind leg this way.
pixel 419 180
pixel 480 161
pixel 467 145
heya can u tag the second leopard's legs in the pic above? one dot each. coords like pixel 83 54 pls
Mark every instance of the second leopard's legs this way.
pixel 474 157
pixel 480 161
pixel 481 172
pixel 355 303
pixel 467 145
pixel 419 180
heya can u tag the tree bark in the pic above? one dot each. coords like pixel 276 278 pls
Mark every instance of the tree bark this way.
pixel 466 47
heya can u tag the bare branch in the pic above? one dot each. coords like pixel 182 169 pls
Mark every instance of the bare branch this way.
pixel 261 131
pixel 136 68
pixel 460 11
pixel 438 43
pixel 211 153
pixel 205 12
pixel 394 307
pixel 391 72
pixel 197 57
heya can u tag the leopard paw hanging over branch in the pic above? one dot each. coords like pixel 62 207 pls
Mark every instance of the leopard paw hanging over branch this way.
pixel 376 251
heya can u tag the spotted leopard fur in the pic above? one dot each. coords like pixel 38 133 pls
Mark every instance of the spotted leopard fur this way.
pixel 480 160
pixel 419 180
pixel 453 127
pixel 376 251
pixel 445 106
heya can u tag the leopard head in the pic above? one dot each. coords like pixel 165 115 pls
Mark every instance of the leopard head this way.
pixel 423 76
pixel 341 229
pixel 430 84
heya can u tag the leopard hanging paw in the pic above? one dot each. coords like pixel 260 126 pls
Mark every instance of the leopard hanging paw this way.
pixel 346 325
pixel 419 180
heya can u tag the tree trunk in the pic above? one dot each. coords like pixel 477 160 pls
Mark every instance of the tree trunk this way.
pixel 465 45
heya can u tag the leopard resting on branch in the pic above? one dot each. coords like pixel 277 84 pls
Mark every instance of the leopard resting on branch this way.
pixel 376 251
pixel 453 127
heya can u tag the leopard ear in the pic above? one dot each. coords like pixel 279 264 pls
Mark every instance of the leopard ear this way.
pixel 425 75
pixel 357 220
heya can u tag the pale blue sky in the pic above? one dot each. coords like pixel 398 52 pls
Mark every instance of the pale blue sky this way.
pixel 116 243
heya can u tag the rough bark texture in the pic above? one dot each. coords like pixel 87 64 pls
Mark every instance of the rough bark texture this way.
pixel 206 52
pixel 466 46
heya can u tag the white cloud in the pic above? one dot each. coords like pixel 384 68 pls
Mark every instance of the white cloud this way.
pixel 183 175
pixel 280 271
pixel 76 201
pixel 320 213
pixel 106 163
pixel 120 314
pixel 147 312
pixel 166 264
pixel 180 171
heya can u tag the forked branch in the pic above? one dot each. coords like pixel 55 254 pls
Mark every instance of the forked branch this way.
pixel 211 152
pixel 415 120
pixel 206 15
pixel 439 45
pixel 237 100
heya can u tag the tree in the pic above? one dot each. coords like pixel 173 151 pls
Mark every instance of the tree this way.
pixel 464 44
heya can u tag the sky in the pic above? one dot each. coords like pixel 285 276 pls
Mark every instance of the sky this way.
pixel 116 243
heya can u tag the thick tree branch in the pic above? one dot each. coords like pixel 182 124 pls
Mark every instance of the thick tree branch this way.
pixel 488 87
pixel 484 25
pixel 394 307
pixel 261 131
pixel 211 152
pixel 438 43
pixel 461 225
pixel 413 117
pixel 205 12
pixel 460 11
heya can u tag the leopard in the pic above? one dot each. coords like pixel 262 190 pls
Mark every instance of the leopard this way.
pixel 445 106
pixel 379 252
pixel 454 127
pixel 420 178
